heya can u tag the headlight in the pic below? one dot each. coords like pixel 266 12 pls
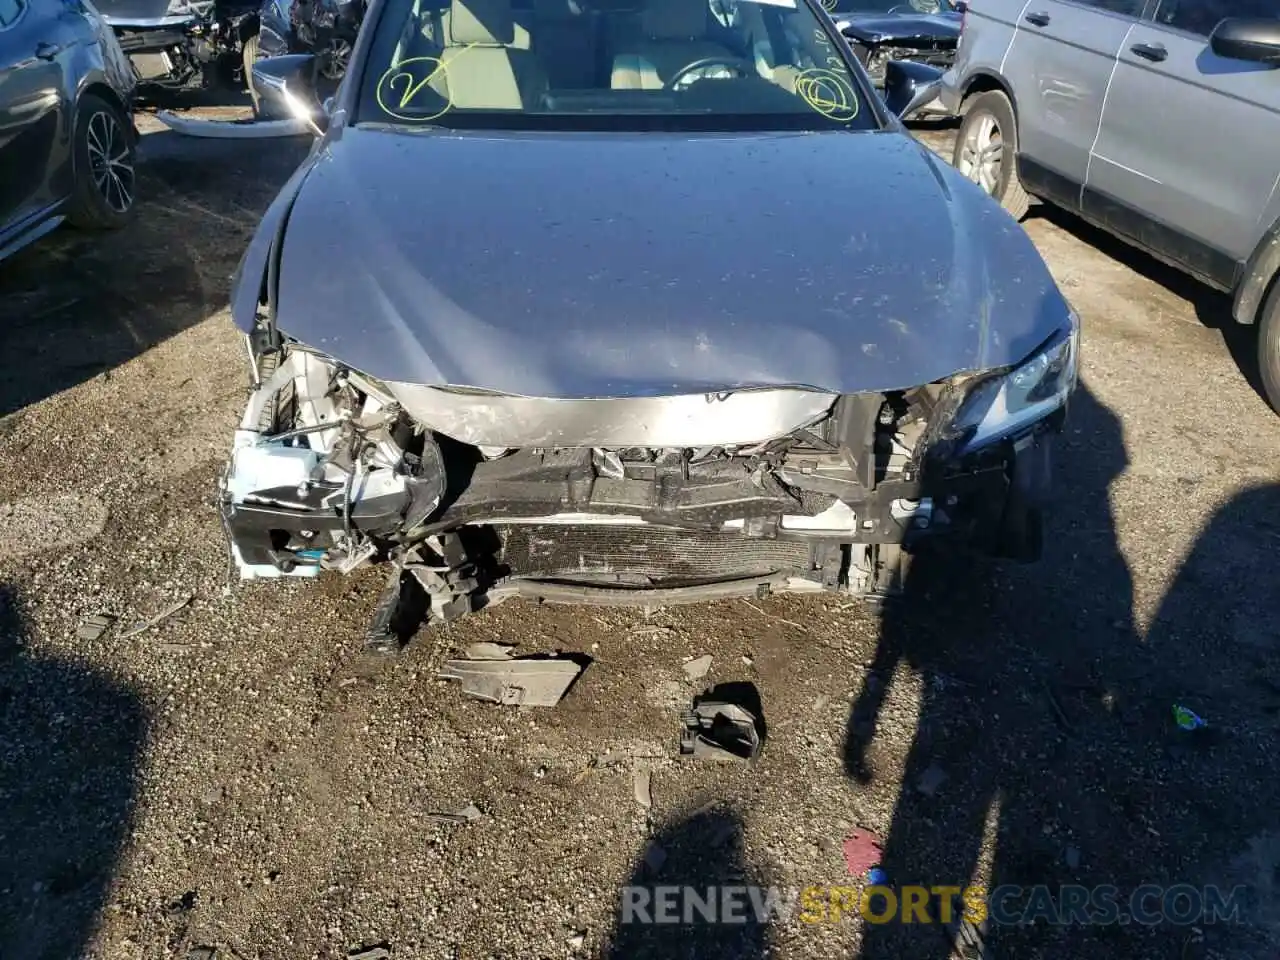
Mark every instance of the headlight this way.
pixel 1003 404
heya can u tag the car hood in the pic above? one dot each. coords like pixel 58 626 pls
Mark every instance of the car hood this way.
pixel 878 27
pixel 584 265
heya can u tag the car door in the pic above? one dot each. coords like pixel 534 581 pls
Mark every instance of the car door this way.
pixel 1186 156
pixel 32 105
pixel 1058 68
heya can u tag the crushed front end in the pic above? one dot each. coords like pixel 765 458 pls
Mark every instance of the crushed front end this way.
pixel 877 41
pixel 471 497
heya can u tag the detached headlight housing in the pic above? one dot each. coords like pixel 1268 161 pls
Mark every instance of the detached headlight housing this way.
pixel 1004 404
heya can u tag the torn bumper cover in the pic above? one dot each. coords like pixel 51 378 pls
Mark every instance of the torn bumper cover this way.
pixel 476 496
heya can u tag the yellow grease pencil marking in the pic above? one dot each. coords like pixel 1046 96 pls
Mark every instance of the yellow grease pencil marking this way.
pixel 828 93
pixel 407 75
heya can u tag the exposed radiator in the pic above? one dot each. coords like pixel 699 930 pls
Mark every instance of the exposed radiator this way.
pixel 633 553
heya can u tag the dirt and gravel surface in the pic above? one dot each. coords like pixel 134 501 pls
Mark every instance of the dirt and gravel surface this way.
pixel 242 778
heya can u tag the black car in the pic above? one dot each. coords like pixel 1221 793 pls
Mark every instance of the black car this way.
pixel 326 28
pixel 922 31
pixel 66 130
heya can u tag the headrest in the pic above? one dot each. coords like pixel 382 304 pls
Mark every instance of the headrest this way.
pixel 675 20
pixel 487 23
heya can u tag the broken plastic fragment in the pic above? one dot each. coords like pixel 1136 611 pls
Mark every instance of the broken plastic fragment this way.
pixel 466 815
pixel 862 851
pixel 643 783
pixel 159 617
pixel 523 682
pixel 487 650
pixel 1187 719
pixel 722 731
pixel 698 668
pixel 95 626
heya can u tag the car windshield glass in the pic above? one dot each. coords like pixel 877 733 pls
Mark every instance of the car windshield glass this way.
pixel 711 65
pixel 907 7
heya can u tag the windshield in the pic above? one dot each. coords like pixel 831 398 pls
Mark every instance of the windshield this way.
pixel 728 65
pixel 907 7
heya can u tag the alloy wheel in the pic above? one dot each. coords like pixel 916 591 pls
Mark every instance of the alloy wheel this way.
pixel 982 153
pixel 333 64
pixel 109 163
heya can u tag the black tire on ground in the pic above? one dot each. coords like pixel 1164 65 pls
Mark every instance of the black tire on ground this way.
pixel 1269 346
pixel 103 166
pixel 993 104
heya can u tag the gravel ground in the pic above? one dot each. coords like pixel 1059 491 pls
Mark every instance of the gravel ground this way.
pixel 241 778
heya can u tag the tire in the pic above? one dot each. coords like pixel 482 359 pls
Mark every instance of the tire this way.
pixel 988 118
pixel 1269 346
pixel 103 166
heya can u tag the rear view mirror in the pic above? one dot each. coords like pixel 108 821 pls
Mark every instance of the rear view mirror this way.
pixel 909 86
pixel 1256 39
pixel 287 84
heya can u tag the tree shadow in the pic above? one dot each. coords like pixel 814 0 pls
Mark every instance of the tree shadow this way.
pixel 71 741
pixel 1212 307
pixel 1046 748
pixel 694 853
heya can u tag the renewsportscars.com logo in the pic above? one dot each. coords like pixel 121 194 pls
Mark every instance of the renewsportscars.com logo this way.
pixel 1065 905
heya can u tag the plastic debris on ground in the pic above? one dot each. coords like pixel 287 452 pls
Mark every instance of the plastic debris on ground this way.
pixel 698 667
pixel 498 677
pixel 487 650
pixel 94 627
pixel 1187 719
pixel 160 617
pixel 643 783
pixel 467 814
pixel 717 728
pixel 862 852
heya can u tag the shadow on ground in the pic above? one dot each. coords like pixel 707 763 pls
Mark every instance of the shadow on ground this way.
pixel 1213 308
pixel 1046 743
pixel 71 740
pixel 700 851
pixel 75 305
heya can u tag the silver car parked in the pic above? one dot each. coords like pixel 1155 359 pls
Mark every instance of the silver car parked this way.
pixel 1156 120
pixel 66 121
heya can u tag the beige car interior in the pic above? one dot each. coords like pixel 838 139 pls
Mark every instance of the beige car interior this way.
pixel 495 58
pixel 673 35
pixel 486 61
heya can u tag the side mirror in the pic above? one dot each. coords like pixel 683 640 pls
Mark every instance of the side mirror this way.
pixel 1256 39
pixel 909 86
pixel 287 85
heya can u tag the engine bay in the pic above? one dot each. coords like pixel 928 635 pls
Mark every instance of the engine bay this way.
pixel 328 471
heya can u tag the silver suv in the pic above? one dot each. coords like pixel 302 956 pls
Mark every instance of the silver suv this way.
pixel 1157 120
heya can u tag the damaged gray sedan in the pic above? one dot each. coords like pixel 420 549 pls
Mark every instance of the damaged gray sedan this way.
pixel 640 301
